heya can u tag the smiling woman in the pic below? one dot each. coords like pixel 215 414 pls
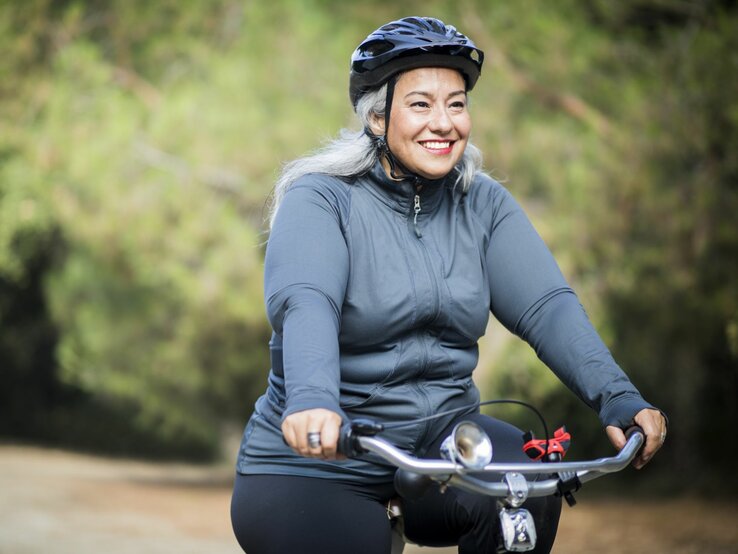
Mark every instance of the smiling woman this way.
pixel 430 123
pixel 388 251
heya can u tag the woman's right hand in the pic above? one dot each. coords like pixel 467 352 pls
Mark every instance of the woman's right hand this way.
pixel 296 427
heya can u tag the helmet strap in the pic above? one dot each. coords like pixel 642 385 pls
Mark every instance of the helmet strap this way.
pixel 392 161
pixel 388 102
pixel 382 146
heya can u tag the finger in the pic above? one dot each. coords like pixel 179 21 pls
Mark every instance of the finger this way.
pixel 296 432
pixel 653 443
pixel 314 443
pixel 314 427
pixel 320 423
pixel 616 436
pixel 649 449
pixel 329 439
pixel 289 434
pixel 298 427
pixel 654 427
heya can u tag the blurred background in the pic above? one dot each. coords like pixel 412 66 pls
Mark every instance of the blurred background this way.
pixel 139 142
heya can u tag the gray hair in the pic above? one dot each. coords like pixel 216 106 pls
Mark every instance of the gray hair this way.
pixel 353 153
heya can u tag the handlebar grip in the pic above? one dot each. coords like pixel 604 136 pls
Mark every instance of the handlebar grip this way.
pixel 630 431
pixel 347 443
pixel 348 435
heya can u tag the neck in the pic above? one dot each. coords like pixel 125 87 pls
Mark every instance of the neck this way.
pixel 392 170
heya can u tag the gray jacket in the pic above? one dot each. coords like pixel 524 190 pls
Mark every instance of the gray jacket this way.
pixel 378 293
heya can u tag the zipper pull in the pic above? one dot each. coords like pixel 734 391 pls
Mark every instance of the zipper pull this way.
pixel 416 211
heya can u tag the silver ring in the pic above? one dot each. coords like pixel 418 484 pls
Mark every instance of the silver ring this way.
pixel 663 437
pixel 314 439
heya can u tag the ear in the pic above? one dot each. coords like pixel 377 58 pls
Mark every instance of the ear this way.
pixel 376 124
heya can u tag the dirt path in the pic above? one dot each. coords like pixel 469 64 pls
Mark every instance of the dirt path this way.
pixel 54 501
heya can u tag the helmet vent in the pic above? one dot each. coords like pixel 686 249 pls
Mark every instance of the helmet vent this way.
pixel 377 47
pixel 424 22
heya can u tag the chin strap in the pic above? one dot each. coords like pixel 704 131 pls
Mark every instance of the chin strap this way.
pixel 383 149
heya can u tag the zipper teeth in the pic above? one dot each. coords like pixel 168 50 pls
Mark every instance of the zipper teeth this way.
pixel 436 285
pixel 426 255
pixel 416 211
pixel 421 339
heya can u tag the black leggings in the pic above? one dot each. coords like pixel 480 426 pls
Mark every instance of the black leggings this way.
pixel 279 514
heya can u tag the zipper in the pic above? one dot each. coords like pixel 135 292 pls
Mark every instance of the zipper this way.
pixel 424 401
pixel 416 211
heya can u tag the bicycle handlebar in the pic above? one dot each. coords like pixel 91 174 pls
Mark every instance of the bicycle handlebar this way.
pixel 514 486
pixel 517 525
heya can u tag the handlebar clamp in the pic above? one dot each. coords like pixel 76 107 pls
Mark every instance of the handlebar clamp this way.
pixel 517 487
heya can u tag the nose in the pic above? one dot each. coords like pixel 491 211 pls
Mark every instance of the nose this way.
pixel 440 122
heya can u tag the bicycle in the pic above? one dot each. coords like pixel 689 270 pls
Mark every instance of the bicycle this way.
pixel 467 452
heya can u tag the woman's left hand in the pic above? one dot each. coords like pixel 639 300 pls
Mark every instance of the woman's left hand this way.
pixel 653 424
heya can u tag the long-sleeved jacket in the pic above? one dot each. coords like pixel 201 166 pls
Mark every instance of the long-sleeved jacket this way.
pixel 378 293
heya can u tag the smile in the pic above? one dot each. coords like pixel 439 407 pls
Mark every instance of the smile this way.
pixel 437 146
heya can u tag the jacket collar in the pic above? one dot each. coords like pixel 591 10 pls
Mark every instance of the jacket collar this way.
pixel 400 195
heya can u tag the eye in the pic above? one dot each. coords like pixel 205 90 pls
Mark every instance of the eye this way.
pixel 420 104
pixel 458 105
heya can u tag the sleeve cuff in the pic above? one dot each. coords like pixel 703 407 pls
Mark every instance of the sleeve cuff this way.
pixel 312 400
pixel 621 412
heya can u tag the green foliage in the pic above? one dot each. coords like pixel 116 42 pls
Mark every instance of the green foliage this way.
pixel 156 286
pixel 676 313
pixel 139 141
pixel 649 235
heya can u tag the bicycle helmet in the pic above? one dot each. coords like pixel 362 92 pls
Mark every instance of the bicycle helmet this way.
pixel 410 43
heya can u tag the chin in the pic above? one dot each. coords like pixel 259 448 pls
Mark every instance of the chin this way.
pixel 434 173
pixel 436 168
pixel 434 176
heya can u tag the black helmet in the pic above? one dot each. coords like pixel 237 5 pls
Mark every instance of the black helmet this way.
pixel 410 43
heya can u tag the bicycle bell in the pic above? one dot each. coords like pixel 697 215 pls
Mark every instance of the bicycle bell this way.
pixel 467 445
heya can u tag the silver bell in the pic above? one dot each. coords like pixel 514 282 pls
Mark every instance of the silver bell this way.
pixel 467 445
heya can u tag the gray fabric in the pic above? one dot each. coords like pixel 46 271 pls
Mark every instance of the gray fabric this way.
pixel 377 314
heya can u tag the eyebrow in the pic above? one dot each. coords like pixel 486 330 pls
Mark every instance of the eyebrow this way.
pixel 429 95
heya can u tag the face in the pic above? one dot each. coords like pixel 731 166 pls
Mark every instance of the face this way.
pixel 429 123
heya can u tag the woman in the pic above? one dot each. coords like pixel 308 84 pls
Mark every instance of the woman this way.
pixel 388 250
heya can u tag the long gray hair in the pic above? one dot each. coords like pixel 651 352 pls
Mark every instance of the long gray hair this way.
pixel 353 153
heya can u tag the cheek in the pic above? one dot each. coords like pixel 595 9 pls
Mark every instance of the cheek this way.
pixel 402 133
pixel 463 126
pixel 409 127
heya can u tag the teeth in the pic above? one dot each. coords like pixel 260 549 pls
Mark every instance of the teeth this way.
pixel 436 145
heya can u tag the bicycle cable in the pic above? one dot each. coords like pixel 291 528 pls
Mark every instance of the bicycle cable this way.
pixel 541 419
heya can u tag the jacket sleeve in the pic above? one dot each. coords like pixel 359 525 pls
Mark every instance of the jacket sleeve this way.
pixel 530 296
pixel 305 276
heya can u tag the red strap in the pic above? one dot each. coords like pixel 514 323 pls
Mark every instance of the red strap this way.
pixel 558 444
